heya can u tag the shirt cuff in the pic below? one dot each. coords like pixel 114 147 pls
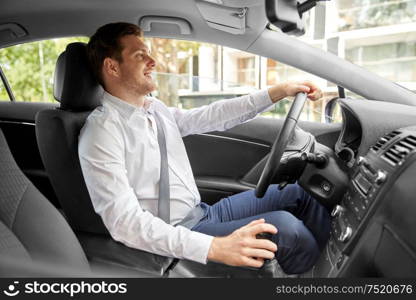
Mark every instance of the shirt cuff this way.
pixel 262 100
pixel 197 247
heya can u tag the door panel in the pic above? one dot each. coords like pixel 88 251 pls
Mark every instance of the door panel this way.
pixel 17 121
pixel 229 162
pixel 235 156
pixel 213 188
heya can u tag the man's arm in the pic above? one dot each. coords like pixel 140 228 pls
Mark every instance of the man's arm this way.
pixel 101 154
pixel 221 115
pixel 224 114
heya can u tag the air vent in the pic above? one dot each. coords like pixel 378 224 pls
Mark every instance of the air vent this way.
pixel 383 140
pixel 397 153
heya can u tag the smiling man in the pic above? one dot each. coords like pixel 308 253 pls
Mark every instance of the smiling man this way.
pixel 132 155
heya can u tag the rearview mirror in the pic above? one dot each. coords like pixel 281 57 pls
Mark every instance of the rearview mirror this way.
pixel 287 14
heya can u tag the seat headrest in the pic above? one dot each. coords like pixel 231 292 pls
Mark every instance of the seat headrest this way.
pixel 74 84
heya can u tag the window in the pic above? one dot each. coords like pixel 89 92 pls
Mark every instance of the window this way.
pixel 357 14
pixel 200 73
pixel 3 92
pixel 393 57
pixel 192 74
pixel 29 68
pixel 246 70
pixel 188 74
pixel 377 35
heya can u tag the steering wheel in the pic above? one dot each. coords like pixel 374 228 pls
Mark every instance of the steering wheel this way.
pixel 280 144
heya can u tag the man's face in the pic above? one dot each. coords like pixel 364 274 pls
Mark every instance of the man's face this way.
pixel 136 66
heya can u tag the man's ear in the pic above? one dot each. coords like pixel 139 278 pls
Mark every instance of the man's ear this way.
pixel 111 67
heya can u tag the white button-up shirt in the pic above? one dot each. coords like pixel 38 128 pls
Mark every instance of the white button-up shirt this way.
pixel 120 161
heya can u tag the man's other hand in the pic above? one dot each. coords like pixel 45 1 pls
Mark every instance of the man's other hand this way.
pixel 291 88
pixel 242 248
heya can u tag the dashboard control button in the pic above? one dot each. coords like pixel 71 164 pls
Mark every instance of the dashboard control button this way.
pixel 367 167
pixel 381 177
pixel 360 160
pixel 345 234
pixel 326 186
pixel 338 209
pixel 363 184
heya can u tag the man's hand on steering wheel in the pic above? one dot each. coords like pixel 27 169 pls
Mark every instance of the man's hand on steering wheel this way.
pixel 301 90
pixel 291 88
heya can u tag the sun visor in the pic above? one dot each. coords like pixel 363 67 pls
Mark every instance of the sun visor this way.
pixel 224 18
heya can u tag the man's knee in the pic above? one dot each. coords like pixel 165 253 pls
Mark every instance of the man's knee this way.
pixel 297 192
pixel 294 197
pixel 298 248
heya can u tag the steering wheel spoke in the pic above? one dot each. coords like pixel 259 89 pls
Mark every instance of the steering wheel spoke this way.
pixel 278 161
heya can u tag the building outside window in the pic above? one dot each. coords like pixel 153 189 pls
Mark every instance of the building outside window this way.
pixel 358 14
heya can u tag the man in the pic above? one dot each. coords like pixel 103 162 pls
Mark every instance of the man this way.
pixel 121 161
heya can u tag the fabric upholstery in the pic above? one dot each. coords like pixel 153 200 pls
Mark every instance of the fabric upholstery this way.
pixel 74 84
pixel 57 134
pixel 30 227
pixel 13 184
pixel 10 245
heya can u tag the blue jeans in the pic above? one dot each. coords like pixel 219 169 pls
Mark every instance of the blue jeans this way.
pixel 303 223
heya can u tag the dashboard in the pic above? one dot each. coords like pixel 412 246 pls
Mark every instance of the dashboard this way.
pixel 365 121
pixel 373 221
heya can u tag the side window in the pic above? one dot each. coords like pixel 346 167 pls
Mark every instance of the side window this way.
pixel 29 68
pixel 192 74
pixel 3 92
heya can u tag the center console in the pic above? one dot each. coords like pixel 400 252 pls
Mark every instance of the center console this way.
pixel 369 177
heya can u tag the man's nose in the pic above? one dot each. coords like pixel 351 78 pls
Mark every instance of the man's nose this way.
pixel 151 62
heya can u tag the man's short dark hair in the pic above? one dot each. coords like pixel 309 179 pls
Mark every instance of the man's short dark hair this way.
pixel 106 43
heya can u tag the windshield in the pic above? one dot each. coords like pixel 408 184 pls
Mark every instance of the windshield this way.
pixel 378 35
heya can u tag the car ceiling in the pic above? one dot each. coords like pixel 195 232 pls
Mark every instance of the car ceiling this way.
pixel 43 19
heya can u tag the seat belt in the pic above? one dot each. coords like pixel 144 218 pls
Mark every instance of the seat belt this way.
pixel 164 190
pixel 198 212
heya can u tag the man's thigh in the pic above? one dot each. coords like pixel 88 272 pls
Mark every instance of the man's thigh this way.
pixel 238 210
pixel 246 204
pixel 280 219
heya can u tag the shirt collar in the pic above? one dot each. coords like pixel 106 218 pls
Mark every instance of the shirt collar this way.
pixel 126 109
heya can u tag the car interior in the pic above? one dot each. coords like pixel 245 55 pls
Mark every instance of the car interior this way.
pixel 360 169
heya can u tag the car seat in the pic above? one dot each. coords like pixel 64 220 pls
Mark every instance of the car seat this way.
pixel 35 240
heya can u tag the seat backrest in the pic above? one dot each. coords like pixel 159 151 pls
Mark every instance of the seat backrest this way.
pixel 31 228
pixel 57 133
